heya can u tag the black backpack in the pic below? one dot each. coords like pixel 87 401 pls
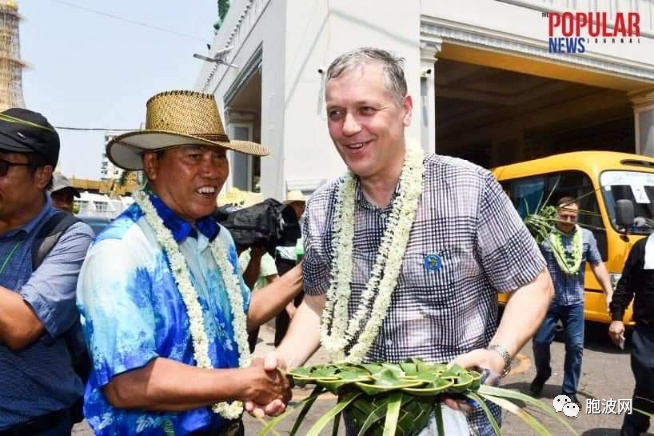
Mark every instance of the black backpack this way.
pixel 45 241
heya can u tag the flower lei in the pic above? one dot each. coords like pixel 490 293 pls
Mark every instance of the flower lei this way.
pixel 190 297
pixel 568 266
pixel 387 266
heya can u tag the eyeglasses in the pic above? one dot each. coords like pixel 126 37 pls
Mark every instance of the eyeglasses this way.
pixel 5 165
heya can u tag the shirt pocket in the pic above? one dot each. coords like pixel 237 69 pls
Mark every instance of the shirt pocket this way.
pixel 430 276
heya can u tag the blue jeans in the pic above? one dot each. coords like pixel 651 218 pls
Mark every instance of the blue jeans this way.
pixel 572 318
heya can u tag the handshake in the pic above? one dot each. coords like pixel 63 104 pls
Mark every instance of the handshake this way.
pixel 269 390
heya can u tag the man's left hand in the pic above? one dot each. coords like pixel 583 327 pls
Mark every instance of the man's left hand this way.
pixel 477 360
pixel 616 331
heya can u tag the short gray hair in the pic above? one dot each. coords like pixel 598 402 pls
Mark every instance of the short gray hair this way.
pixel 393 67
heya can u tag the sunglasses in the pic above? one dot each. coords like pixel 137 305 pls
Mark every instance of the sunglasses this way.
pixel 5 165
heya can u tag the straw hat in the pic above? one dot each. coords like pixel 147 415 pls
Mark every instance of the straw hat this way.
pixel 293 196
pixel 175 118
pixel 237 197
pixel 252 198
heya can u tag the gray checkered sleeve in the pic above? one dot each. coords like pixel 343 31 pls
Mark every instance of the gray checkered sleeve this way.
pixel 509 255
pixel 316 266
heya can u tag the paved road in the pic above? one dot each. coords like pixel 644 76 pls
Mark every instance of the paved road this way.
pixel 606 375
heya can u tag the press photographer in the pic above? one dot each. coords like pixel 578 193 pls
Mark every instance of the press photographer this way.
pixel 258 230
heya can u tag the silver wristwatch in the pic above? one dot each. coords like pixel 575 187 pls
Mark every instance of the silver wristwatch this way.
pixel 505 356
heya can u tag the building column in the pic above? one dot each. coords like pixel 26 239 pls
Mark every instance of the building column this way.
pixel 643 104
pixel 428 52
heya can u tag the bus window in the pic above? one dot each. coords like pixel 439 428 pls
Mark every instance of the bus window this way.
pixel 578 185
pixel 526 193
pixel 637 187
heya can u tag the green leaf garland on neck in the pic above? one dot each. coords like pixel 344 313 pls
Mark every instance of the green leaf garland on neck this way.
pixel 569 264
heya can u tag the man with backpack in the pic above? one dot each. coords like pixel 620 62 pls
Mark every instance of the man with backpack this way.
pixel 41 252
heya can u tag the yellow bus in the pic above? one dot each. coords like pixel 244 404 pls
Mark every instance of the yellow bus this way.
pixel 616 195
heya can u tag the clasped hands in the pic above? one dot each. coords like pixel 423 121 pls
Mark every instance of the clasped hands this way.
pixel 270 389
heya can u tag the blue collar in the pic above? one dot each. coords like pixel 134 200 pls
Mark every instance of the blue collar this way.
pixel 180 228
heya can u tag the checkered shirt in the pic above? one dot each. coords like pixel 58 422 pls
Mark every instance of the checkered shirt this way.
pixel 467 243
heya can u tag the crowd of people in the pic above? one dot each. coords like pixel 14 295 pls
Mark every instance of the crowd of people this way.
pixel 402 257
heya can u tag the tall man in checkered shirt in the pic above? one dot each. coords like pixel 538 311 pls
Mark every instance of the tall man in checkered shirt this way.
pixel 443 310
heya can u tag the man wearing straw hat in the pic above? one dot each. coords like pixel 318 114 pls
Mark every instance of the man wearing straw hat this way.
pixel 163 306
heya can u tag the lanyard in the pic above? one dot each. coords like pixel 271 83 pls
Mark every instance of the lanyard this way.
pixel 11 253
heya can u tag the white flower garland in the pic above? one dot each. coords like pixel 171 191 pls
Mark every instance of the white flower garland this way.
pixel 386 269
pixel 190 297
pixel 577 248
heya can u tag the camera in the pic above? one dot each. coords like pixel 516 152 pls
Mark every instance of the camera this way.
pixel 268 224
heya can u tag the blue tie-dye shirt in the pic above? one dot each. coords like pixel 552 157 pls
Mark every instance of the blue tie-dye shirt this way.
pixel 132 312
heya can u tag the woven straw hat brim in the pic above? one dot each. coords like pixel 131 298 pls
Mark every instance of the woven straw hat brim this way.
pixel 126 150
pixel 295 197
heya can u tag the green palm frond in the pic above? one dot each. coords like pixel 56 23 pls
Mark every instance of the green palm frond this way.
pixel 335 411
pixel 520 412
pixel 308 402
pixel 651 415
pixel 400 399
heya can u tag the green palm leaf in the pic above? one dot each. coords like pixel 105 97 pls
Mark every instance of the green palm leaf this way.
pixel 485 390
pixel 305 409
pixel 374 416
pixel 270 425
pixel 651 415
pixel 393 414
pixel 489 414
pixel 342 404
pixel 337 421
pixel 522 413
pixel 439 419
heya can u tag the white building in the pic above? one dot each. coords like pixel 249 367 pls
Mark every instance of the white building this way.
pixel 92 205
pixel 485 85
pixel 108 170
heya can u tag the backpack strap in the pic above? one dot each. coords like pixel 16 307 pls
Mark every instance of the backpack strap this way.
pixel 46 239
pixel 49 235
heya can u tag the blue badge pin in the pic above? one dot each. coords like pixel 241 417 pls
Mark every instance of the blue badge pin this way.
pixel 433 262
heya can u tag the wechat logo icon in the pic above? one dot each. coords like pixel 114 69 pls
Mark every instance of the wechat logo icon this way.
pixel 562 403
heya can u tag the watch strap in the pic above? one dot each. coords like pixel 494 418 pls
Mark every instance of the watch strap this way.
pixel 506 356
